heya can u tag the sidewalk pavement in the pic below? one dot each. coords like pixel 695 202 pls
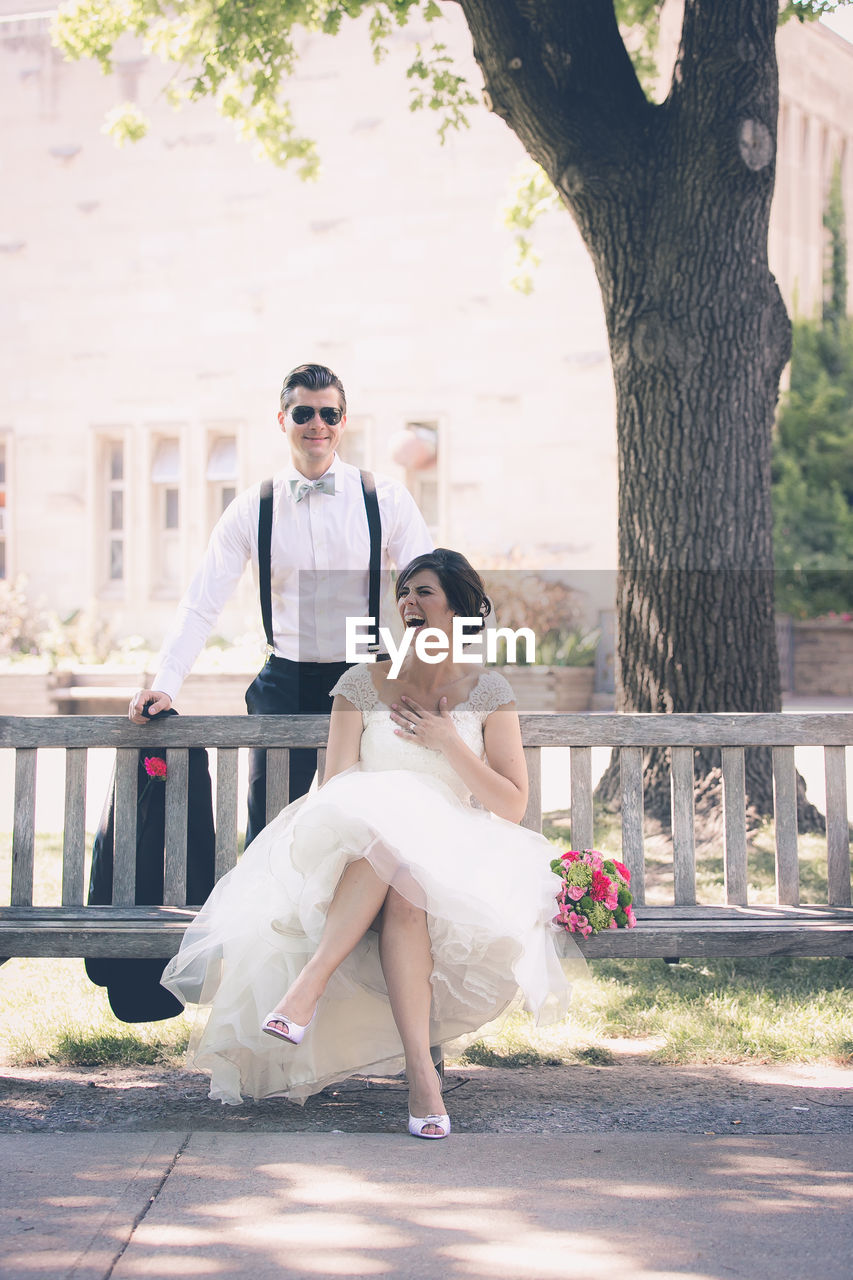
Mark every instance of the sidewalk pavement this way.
pixel 87 1206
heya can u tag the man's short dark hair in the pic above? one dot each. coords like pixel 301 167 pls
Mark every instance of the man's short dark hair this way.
pixel 314 377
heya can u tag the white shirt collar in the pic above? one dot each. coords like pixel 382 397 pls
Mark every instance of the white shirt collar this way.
pixel 335 468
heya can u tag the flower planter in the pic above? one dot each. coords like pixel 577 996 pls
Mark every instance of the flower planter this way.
pixel 25 693
pixel 552 689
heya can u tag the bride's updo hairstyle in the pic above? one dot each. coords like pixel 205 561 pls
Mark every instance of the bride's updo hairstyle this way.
pixel 460 582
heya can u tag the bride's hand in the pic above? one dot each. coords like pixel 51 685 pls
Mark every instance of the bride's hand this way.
pixel 422 726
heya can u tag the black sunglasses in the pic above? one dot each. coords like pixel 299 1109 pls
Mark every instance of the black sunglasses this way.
pixel 303 413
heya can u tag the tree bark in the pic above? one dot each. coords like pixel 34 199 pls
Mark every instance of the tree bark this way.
pixel 673 203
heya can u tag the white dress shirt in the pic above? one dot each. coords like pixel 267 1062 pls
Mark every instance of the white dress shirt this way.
pixel 320 558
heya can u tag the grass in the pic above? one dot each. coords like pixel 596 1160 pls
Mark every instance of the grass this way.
pixel 51 1014
pixel 779 1009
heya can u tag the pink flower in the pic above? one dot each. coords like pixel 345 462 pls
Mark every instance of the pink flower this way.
pixel 611 902
pixel 571 855
pixel 612 924
pixel 155 767
pixel 622 869
pixel 576 892
pixel 579 924
pixel 600 886
pixel 632 919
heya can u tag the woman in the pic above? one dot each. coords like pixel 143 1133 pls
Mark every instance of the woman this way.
pixel 383 913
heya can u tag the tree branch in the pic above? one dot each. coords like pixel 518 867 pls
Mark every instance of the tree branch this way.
pixel 560 63
pixel 726 66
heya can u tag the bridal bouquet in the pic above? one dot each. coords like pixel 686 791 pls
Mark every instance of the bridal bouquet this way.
pixel 594 894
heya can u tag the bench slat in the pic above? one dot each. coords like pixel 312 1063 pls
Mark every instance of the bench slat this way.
pixel 124 849
pixel 559 730
pixel 74 831
pixel 177 785
pixel 683 836
pixel 757 912
pixel 226 810
pixel 837 828
pixel 675 729
pixel 278 781
pixel 149 932
pixel 734 811
pixel 807 939
pixel 581 811
pixel 785 811
pixel 533 813
pixel 633 853
pixel 708 931
pixel 24 832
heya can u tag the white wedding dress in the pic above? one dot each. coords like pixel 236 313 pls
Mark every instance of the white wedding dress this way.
pixel 485 884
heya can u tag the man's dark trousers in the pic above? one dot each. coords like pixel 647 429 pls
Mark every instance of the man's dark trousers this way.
pixel 285 688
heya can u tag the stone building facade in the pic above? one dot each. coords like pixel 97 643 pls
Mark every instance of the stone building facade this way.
pixel 153 297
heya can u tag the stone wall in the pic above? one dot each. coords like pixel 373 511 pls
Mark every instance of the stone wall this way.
pixel 823 659
pixel 87 693
pixel 101 692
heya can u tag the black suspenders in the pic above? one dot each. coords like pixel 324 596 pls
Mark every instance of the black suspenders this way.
pixel 265 559
pixel 374 525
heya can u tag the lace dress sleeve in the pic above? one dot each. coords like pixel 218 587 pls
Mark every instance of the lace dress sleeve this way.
pixel 357 687
pixel 491 691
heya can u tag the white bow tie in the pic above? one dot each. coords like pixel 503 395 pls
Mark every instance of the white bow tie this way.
pixel 301 488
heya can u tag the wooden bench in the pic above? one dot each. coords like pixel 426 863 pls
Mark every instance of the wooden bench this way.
pixel 682 928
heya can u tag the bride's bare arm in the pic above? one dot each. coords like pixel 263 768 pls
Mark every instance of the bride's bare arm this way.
pixel 344 737
pixel 505 756
pixel 500 781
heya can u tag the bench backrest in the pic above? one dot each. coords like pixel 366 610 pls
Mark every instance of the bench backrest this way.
pixel 631 735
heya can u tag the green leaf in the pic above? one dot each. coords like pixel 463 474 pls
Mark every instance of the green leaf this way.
pixel 533 196
pixel 126 123
pixel 241 54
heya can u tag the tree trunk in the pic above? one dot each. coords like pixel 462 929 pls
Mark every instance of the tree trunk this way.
pixel 673 202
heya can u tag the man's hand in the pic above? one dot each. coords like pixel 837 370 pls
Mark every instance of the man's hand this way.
pixel 151 700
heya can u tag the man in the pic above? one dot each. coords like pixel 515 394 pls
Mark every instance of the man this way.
pixel 320 547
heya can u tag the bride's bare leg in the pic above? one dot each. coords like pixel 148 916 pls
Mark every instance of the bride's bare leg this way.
pixel 404 950
pixel 355 905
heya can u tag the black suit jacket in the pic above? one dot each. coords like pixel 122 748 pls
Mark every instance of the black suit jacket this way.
pixel 133 985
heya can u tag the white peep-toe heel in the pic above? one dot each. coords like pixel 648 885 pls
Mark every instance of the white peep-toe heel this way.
pixel 294 1033
pixel 418 1124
